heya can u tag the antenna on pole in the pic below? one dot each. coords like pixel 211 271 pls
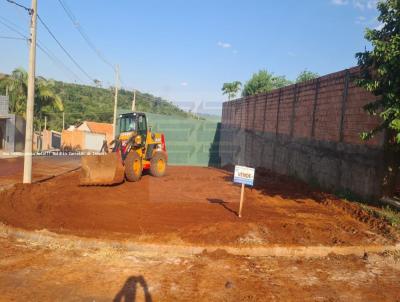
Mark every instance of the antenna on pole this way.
pixel 116 100
pixel 134 101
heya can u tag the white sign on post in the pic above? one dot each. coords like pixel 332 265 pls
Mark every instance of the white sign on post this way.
pixel 245 176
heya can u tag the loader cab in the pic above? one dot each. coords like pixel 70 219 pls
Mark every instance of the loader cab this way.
pixel 133 122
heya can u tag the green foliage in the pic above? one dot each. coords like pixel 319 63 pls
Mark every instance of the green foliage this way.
pixel 79 102
pixel 380 71
pixel 306 76
pixel 45 98
pixel 264 81
pixel 231 89
pixel 385 212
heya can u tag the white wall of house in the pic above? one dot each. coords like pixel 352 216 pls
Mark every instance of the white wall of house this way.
pixel 83 127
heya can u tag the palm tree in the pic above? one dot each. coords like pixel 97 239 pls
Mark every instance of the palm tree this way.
pixel 231 89
pixel 17 90
pixel 45 97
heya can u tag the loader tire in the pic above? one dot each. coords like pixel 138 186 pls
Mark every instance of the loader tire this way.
pixel 158 164
pixel 133 167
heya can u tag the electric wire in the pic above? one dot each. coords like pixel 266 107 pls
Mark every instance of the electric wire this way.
pixel 82 32
pixel 40 45
pixel 11 38
pixel 63 48
pixel 29 10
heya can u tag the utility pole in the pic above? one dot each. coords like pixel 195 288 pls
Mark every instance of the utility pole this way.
pixel 116 100
pixel 63 121
pixel 27 178
pixel 134 101
pixel 45 122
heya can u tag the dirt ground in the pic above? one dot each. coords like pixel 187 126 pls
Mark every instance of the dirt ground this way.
pixel 190 206
pixel 193 205
pixel 37 273
pixel 11 169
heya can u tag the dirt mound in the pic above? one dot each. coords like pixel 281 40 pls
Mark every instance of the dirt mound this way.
pixel 189 205
pixel 268 181
pixel 374 222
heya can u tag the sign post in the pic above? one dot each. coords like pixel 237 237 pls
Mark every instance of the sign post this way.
pixel 245 176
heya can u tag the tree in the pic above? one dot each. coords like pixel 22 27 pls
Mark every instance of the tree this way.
pixel 264 81
pixel 231 89
pixel 16 85
pixel 306 75
pixel 97 83
pixel 380 75
pixel 45 97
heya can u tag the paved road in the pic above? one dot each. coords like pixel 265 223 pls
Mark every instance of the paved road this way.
pixel 11 169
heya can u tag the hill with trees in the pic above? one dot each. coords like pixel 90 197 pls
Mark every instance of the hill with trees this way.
pixel 79 102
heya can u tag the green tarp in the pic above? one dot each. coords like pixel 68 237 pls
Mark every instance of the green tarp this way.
pixel 189 141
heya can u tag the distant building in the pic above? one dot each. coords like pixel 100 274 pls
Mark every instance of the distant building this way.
pixel 87 136
pixel 12 129
pixel 99 128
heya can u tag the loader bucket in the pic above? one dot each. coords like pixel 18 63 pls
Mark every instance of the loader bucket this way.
pixel 101 169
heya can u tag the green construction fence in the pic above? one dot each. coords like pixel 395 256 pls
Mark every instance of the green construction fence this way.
pixel 192 142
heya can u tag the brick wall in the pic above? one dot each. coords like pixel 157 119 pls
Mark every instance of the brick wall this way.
pixel 310 130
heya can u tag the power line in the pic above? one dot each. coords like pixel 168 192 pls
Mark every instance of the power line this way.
pixel 11 38
pixel 29 10
pixel 82 32
pixel 55 60
pixel 11 26
pixel 65 51
pixel 54 37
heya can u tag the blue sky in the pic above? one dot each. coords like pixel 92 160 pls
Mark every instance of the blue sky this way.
pixel 184 50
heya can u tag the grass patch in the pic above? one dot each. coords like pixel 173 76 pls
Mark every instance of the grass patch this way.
pixel 387 213
pixel 374 207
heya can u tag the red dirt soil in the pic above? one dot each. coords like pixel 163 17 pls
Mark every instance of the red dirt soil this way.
pixel 36 273
pixel 192 205
pixel 11 169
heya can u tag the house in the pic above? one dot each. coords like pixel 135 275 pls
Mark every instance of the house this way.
pixel 88 136
pixel 12 129
pixel 100 128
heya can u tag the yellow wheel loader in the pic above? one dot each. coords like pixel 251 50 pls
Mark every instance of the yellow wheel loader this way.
pixel 135 149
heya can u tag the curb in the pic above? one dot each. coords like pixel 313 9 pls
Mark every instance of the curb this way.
pixel 70 242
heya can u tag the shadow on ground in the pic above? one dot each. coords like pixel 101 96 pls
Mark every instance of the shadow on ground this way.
pixel 129 290
pixel 222 204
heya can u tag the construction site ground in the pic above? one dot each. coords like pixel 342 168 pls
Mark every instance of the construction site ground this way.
pixel 285 247
pixel 44 167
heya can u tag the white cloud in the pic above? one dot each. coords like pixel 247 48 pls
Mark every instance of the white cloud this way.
pixel 235 51
pixel 291 54
pixel 184 84
pixel 360 20
pixel 339 2
pixel 224 44
pixel 372 4
pixel 358 4
pixel 365 4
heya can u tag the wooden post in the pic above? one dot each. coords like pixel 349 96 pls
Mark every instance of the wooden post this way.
pixel 241 201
